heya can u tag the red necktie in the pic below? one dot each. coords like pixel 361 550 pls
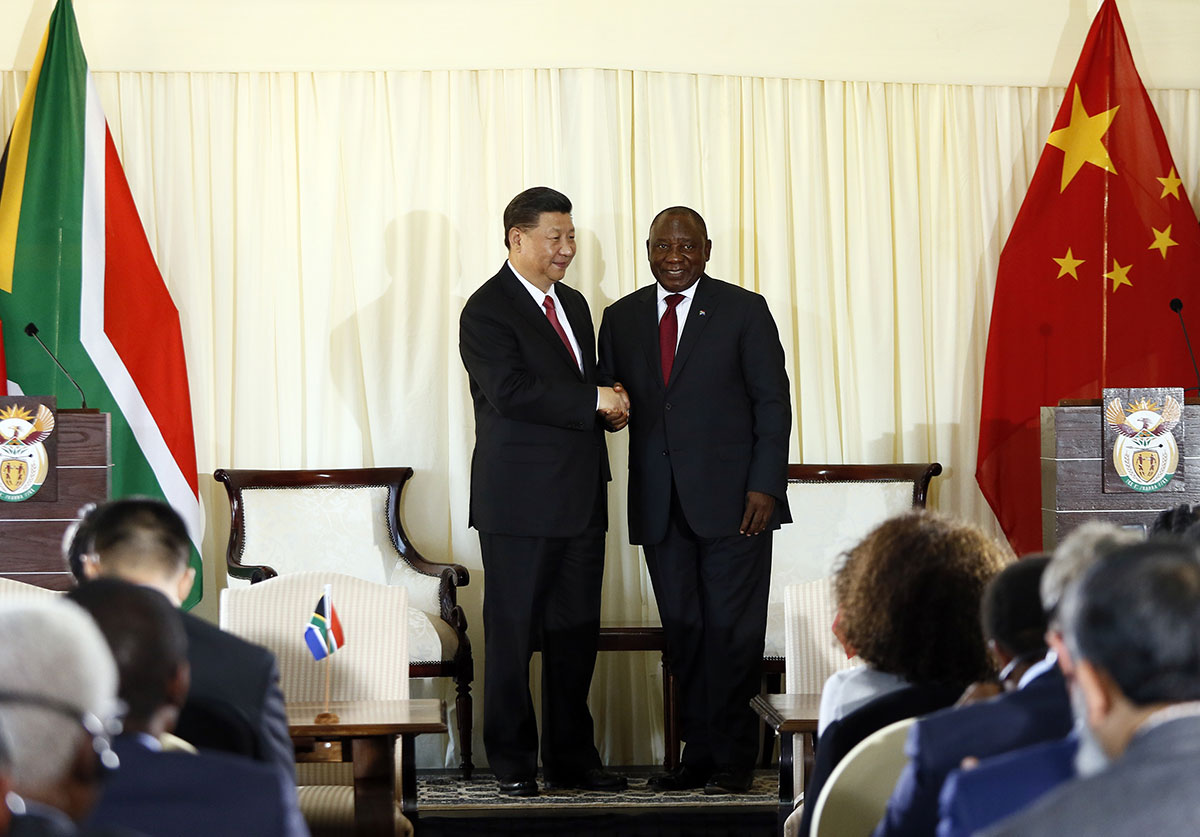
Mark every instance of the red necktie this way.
pixel 668 335
pixel 548 304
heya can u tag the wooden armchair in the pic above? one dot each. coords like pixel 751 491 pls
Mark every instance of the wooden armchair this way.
pixel 348 521
pixel 833 507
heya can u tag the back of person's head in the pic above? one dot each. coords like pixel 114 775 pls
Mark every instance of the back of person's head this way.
pixel 1175 521
pixel 137 539
pixel 55 672
pixel 77 541
pixel 909 596
pixel 1012 612
pixel 1079 550
pixel 145 633
pixel 1136 616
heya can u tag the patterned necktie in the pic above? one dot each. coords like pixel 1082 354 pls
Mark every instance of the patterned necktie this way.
pixel 668 335
pixel 552 315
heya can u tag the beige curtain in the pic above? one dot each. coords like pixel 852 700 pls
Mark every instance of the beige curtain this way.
pixel 320 232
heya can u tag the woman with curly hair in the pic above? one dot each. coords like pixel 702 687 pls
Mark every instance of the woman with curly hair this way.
pixel 908 605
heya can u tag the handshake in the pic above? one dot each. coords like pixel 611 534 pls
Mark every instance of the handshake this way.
pixel 614 406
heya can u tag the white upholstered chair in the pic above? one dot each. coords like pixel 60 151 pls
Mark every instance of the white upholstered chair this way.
pixel 833 507
pixel 348 521
pixel 372 665
pixel 12 590
pixel 855 797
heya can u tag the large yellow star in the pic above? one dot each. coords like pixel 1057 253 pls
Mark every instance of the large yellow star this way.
pixel 1162 240
pixel 1067 264
pixel 1082 140
pixel 1170 184
pixel 1119 275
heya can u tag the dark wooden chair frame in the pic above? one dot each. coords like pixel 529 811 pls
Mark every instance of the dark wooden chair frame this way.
pixel 919 474
pixel 450 576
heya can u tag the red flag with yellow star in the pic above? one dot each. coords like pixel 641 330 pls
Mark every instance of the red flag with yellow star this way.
pixel 1105 239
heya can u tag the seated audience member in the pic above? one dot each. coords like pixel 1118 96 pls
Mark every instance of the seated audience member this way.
pixel 908 604
pixel 234 703
pixel 1132 630
pixel 57 682
pixel 908 598
pixel 170 793
pixel 1037 710
pixel 1014 624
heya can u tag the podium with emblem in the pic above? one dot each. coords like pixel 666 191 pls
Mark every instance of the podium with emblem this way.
pixel 1124 458
pixel 52 463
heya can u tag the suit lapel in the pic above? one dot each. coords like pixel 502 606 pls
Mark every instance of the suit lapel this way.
pixel 646 329
pixel 700 312
pixel 524 305
pixel 581 326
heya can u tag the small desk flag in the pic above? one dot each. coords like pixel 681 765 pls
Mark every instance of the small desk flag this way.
pixel 323 634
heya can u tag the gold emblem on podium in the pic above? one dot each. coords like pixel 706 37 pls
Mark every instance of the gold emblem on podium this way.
pixel 1145 453
pixel 24 463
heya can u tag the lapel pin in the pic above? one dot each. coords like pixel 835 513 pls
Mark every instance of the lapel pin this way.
pixel 701 312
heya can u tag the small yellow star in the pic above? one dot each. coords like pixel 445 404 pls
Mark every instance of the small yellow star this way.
pixel 1082 140
pixel 1170 184
pixel 1162 240
pixel 1119 275
pixel 1067 264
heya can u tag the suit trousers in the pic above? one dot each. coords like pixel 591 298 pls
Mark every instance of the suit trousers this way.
pixel 712 596
pixel 541 592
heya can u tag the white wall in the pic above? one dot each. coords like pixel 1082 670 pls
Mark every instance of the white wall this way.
pixel 1009 42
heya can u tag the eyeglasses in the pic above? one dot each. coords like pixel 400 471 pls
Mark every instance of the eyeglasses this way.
pixel 100 731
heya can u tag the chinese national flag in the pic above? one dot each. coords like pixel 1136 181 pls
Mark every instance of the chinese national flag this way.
pixel 1105 239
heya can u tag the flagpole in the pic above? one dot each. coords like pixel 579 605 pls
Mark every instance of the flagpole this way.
pixel 328 717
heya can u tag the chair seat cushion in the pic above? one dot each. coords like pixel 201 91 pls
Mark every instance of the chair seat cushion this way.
pixel 430 639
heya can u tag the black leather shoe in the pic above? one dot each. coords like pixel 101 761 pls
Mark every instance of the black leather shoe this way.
pixel 680 779
pixel 518 787
pixel 729 781
pixel 595 779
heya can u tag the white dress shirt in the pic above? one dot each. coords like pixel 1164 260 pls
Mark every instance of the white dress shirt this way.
pixel 539 296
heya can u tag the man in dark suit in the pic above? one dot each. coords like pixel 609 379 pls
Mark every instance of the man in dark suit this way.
pixel 173 793
pixel 1132 632
pixel 538 498
pixel 234 702
pixel 703 366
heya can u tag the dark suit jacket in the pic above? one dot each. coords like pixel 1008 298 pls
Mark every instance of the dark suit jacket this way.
pixel 1153 789
pixel 720 428
pixel 540 456
pixel 1000 786
pixel 180 794
pixel 841 736
pixel 939 742
pixel 240 680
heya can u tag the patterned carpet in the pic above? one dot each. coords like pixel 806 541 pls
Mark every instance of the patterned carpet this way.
pixel 448 794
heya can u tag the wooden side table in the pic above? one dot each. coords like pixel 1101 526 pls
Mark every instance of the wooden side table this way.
pixel 790 715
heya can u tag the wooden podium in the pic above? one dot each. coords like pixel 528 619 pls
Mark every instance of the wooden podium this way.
pixel 1073 476
pixel 31 532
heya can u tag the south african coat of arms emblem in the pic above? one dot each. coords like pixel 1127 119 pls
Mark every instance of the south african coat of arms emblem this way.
pixel 24 463
pixel 1145 454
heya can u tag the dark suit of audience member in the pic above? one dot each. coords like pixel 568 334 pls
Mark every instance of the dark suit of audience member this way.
pixel 539 476
pixel 173 794
pixel 708 455
pixel 195 795
pixel 1037 711
pixel 234 679
pixel 1131 630
pixel 975 798
pixel 842 735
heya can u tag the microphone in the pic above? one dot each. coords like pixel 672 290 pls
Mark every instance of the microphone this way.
pixel 1177 307
pixel 32 331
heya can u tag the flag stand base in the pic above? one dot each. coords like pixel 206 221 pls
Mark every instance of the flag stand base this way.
pixel 327 718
